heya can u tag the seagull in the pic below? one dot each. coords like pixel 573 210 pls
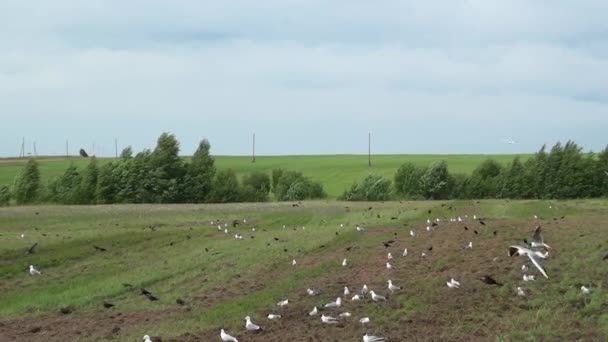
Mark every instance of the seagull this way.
pixel 469 246
pixel 274 317
pixel 524 268
pixel 328 319
pixel 520 292
pixel 364 290
pixel 364 320
pixel 22 236
pixel 428 221
pixel 293 262
pixel 389 266
pixel 250 326
pixel 412 234
pixel 345 314
pixel 453 284
pixel 376 297
pixel 606 172
pixel 392 287
pixel 346 291
pixel 537 239
pixel 509 141
pixel 344 262
pixel 585 290
pixel 312 292
pixel 34 271
pixel 227 338
pixel 283 302
pixel 341 225
pixel 428 229
pixel 372 338
pixel 405 252
pixel 389 256
pixel 355 298
pixel 226 230
pixel 517 250
pixel 360 229
pixel 529 277
pixel 313 312
pixel 147 338
pixel 335 304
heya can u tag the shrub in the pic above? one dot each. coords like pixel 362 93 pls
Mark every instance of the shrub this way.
pixel 407 180
pixel 256 187
pixel 293 186
pixel 88 183
pixel 434 182
pixel 372 188
pixel 225 188
pixel 5 195
pixel 65 188
pixel 27 184
pixel 200 173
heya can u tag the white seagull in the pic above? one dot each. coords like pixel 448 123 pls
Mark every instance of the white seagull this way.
pixel 313 312
pixel 364 290
pixel 389 266
pixel 585 290
pixel 360 229
pixel 389 256
pixel 405 252
pixel 376 297
pixel 227 338
pixel 293 262
pixel 538 240
pixel 355 298
pixel 372 338
pixel 412 234
pixel 469 246
pixel 453 284
pixel 312 292
pixel 529 277
pixel 34 271
pixel 344 262
pixel 335 304
pixel 364 320
pixel 346 291
pixel 283 302
pixel 520 292
pixel 147 338
pixel 250 326
pixel 533 255
pixel 274 317
pixel 345 315
pixel 328 319
pixel 524 268
pixel 392 287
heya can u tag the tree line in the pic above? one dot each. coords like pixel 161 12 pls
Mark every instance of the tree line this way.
pixel 565 172
pixel 158 176
pixel 161 176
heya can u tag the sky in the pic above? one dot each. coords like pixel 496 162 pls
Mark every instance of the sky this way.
pixel 306 76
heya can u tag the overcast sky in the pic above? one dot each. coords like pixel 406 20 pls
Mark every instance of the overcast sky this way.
pixel 309 76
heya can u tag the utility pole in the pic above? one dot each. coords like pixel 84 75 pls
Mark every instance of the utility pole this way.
pixel 116 147
pixel 253 154
pixel 369 149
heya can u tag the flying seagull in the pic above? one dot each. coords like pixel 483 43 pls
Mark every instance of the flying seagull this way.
pixel 328 319
pixel 250 326
pixel 34 271
pixel 518 250
pixel 537 239
pixel 392 287
pixel 227 338
pixel 372 338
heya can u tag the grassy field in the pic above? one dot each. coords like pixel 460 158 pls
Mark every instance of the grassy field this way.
pixel 336 172
pixel 176 252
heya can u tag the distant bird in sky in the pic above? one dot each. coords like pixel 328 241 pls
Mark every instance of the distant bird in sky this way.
pixel 250 326
pixel 509 141
pixel 329 319
pixel 372 338
pixel 227 338
pixel 34 271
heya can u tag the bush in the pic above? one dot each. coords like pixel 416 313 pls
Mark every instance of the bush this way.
pixel 407 180
pixel 276 175
pixel 64 189
pixel 88 183
pixel 434 182
pixel 293 186
pixel 5 195
pixel 256 187
pixel 200 174
pixel 225 188
pixel 27 184
pixel 372 188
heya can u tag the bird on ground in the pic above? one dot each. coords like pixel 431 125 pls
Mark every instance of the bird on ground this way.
pixel 538 239
pixel 344 262
pixel 529 277
pixel 313 312
pixel 392 287
pixel 469 245
pixel 364 320
pixel 345 315
pixel 34 271
pixel 147 338
pixel 293 262
pixel 520 292
pixel 250 326
pixel 377 297
pixel 355 298
pixel 412 234
pixel 180 301
pixel 360 229
pixel 283 302
pixel 329 319
pixel 585 290
pixel 372 338
pixel 405 252
pixel 533 255
pixel 32 249
pixel 489 280
pixel 274 317
pixel 389 266
pixel 389 256
pixel 346 291
pixel 312 292
pixel 453 284
pixel 524 268
pixel 227 338
pixel 108 305
pixel 335 304
pixel 364 290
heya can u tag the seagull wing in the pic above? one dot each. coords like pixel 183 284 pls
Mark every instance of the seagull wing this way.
pixel 538 235
pixel 538 265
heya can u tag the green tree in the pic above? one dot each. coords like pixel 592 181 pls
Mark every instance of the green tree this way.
pixel 256 187
pixel 199 176
pixel 372 188
pixel 107 184
pixel 65 189
pixel 5 195
pixel 407 180
pixel 294 186
pixel 225 187
pixel 27 184
pixel 168 171
pixel 434 182
pixel 276 175
pixel 601 170
pixel 484 180
pixel 88 183
pixel 127 153
pixel 512 180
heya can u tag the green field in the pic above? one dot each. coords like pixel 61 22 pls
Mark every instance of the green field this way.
pixel 335 172
pixel 176 252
